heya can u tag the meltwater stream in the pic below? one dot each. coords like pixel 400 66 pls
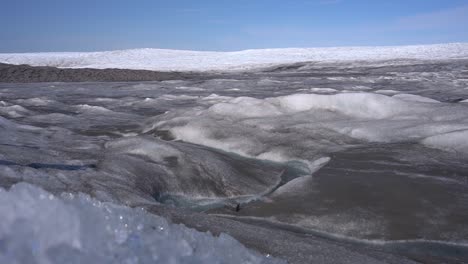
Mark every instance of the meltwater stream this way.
pixel 368 157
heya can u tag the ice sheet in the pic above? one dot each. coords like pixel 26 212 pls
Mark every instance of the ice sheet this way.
pixel 180 60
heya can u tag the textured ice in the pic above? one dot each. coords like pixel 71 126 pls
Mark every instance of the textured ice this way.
pixel 158 59
pixel 14 111
pixel 254 127
pixel 35 101
pixel 386 91
pixel 186 173
pixel 133 168
pixel 323 90
pixel 452 141
pixel 415 98
pixel 380 168
pixel 38 227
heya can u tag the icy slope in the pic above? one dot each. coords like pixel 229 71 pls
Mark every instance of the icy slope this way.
pixel 168 60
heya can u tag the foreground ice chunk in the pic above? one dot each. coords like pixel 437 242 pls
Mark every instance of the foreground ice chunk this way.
pixel 37 227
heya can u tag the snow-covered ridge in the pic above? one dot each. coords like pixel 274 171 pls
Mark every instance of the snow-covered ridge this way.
pixel 180 60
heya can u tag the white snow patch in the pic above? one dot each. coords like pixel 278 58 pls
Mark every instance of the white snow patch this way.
pixel 386 92
pixel 323 90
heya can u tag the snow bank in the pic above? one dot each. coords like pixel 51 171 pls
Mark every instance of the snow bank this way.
pixel 37 227
pixel 168 60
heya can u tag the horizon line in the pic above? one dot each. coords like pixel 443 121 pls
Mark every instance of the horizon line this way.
pixel 243 50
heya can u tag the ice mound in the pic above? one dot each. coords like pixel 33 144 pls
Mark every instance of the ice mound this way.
pixel 309 126
pixel 136 169
pixel 386 92
pixel 246 107
pixel 93 108
pixel 187 174
pixel 180 60
pixel 38 227
pixel 323 90
pixel 359 105
pixel 14 111
pixel 36 101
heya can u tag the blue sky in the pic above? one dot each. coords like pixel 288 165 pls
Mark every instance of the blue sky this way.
pixel 88 25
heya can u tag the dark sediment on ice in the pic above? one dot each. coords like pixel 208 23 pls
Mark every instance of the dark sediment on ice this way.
pixel 28 74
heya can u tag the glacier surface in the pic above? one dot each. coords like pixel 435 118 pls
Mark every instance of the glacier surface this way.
pixel 333 162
